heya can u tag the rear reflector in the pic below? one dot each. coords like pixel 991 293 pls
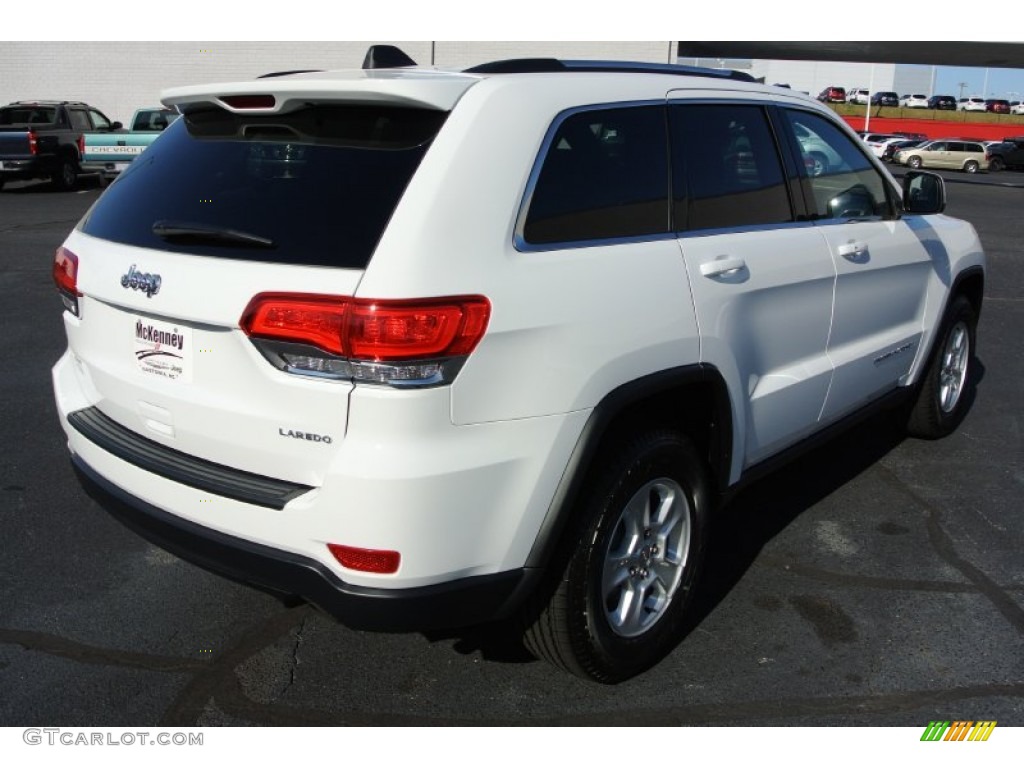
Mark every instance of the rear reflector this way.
pixel 65 276
pixel 369 560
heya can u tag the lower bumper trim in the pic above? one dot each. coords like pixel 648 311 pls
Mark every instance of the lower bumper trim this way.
pixel 459 603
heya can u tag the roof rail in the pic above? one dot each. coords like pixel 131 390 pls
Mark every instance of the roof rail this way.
pixel 514 66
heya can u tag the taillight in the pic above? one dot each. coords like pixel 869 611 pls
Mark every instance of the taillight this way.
pixel 65 275
pixel 81 144
pixel 33 143
pixel 397 342
pixel 370 560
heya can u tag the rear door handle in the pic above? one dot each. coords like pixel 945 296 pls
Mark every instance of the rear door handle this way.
pixel 722 267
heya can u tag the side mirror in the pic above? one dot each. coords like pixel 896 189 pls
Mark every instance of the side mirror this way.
pixel 923 192
pixel 116 126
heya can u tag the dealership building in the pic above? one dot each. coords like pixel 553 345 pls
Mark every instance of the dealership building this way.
pixel 120 77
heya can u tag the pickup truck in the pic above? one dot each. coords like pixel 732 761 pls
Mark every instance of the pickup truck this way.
pixel 108 153
pixel 46 139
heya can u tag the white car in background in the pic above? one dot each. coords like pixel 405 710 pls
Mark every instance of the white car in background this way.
pixel 971 104
pixel 1016 108
pixel 914 101
pixel 879 141
pixel 858 96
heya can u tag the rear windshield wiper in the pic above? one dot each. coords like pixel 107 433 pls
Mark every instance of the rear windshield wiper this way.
pixel 183 230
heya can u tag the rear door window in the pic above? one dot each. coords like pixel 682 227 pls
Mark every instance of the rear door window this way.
pixel 604 177
pixel 80 120
pixel 316 186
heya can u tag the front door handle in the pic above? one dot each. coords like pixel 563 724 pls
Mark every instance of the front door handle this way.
pixel 856 252
pixel 722 267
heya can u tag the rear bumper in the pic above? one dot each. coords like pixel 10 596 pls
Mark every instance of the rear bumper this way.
pixel 30 168
pixel 458 603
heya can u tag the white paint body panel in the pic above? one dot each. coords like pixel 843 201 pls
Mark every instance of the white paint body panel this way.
pixel 460 478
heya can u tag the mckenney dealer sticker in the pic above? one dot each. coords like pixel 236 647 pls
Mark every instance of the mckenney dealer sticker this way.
pixel 162 349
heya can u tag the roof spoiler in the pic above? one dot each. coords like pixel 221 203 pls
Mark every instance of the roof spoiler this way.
pixel 386 57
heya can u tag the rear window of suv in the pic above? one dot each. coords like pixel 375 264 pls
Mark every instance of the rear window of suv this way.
pixel 316 186
pixel 27 115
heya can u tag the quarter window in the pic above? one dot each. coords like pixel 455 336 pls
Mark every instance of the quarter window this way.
pixel 605 176
pixel 726 168
pixel 839 180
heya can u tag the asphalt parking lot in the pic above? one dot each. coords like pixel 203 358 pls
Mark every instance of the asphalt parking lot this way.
pixel 878 581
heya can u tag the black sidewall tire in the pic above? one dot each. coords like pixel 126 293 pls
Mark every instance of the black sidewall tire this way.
pixel 66 176
pixel 971 167
pixel 605 655
pixel 927 419
pixel 914 162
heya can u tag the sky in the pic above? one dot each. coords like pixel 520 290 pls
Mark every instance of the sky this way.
pixel 1002 83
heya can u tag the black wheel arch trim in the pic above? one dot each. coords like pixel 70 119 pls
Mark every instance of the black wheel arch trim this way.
pixel 956 289
pixel 601 419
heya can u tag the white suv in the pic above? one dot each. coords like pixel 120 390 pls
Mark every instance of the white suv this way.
pixel 431 348
pixel 971 104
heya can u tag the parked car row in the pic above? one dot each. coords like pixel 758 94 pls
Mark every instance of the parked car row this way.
pixel 835 95
pixel 964 153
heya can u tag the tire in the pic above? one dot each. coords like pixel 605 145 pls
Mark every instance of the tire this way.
pixel 971 166
pixel 616 603
pixel 914 162
pixel 996 164
pixel 944 394
pixel 66 176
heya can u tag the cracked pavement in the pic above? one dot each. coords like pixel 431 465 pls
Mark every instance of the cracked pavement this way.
pixel 877 581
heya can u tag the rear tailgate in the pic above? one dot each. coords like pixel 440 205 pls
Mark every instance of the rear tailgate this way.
pixel 175 368
pixel 14 144
pixel 117 148
pixel 225 207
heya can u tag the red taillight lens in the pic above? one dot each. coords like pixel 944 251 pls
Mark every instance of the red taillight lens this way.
pixel 369 330
pixel 315 320
pixel 371 560
pixel 33 143
pixel 385 331
pixel 81 144
pixel 65 276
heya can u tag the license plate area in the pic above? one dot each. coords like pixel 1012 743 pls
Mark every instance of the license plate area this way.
pixel 164 349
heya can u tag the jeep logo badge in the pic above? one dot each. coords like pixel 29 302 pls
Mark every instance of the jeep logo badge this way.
pixel 141 281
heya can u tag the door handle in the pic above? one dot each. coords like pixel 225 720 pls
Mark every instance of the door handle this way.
pixel 853 252
pixel 722 267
